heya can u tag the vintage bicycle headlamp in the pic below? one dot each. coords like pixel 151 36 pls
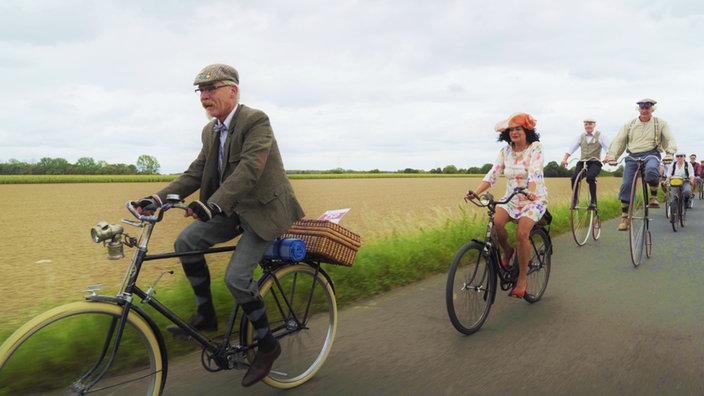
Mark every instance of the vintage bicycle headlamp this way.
pixel 104 231
pixel 485 198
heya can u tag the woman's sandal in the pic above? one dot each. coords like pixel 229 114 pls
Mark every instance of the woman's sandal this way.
pixel 518 293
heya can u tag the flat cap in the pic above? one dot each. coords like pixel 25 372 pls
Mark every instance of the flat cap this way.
pixel 217 72
pixel 590 120
pixel 647 100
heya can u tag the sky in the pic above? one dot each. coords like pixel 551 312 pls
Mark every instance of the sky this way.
pixel 360 85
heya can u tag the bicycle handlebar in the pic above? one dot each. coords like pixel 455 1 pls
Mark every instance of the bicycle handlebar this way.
pixel 575 160
pixel 490 198
pixel 639 159
pixel 132 207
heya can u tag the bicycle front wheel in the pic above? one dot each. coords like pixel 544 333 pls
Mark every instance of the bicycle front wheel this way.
pixel 470 288
pixel 302 311
pixel 539 265
pixel 683 211
pixel 580 216
pixel 638 218
pixel 675 213
pixel 64 351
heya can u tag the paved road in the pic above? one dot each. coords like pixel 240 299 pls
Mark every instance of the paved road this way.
pixel 602 328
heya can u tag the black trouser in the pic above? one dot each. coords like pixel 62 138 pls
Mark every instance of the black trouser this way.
pixel 593 169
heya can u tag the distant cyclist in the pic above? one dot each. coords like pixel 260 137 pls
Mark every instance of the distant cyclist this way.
pixel 697 171
pixel 590 143
pixel 685 170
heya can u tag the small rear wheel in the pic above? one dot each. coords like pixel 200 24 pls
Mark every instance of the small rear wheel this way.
pixel 596 227
pixel 470 288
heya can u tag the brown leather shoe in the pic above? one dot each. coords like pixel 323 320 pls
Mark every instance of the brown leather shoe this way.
pixel 623 226
pixel 261 366
pixel 654 203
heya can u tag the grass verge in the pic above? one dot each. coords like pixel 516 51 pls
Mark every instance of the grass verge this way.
pixel 380 266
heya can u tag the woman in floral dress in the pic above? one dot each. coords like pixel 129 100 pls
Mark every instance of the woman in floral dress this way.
pixel 521 162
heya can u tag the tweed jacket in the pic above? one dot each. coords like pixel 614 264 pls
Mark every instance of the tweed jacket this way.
pixel 254 184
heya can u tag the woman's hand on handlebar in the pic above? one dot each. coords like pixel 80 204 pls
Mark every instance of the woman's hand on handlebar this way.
pixel 472 195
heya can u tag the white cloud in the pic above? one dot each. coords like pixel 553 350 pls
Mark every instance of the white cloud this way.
pixel 351 84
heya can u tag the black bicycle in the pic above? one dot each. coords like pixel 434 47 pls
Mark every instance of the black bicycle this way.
pixel 639 237
pixel 111 345
pixel 678 208
pixel 476 270
pixel 584 218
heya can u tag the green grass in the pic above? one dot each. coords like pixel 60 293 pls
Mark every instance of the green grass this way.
pixel 380 266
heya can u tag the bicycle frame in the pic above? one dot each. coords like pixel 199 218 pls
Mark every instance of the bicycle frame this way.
pixel 491 244
pixel 219 351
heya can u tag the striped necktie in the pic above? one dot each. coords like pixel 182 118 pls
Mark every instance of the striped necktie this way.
pixel 221 130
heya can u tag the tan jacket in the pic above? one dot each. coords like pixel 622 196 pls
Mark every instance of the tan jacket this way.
pixel 255 184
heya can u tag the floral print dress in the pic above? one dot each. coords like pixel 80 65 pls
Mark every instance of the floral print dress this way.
pixel 520 168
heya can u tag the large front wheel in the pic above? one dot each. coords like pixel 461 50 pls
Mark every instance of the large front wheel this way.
pixel 470 288
pixel 67 351
pixel 580 216
pixel 638 218
pixel 302 311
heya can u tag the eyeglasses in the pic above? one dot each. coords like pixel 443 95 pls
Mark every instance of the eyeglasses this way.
pixel 645 105
pixel 679 156
pixel 515 129
pixel 210 88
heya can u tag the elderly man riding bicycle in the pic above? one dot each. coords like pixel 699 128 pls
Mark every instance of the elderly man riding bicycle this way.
pixel 641 137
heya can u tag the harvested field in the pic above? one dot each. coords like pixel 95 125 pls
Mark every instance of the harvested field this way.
pixel 47 257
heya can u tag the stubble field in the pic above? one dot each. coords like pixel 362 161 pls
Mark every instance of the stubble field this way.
pixel 47 257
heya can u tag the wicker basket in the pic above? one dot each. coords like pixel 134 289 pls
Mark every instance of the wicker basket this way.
pixel 326 241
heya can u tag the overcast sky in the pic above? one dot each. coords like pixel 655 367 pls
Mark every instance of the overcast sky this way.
pixel 351 84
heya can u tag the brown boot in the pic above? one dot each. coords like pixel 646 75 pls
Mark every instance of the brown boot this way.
pixel 623 226
pixel 261 365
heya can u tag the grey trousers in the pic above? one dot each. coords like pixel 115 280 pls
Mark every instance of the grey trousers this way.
pixel 239 276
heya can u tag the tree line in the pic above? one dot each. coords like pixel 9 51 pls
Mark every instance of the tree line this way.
pixel 552 169
pixel 146 164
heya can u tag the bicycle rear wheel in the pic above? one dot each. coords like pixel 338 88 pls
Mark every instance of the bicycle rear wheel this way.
pixel 638 218
pixel 302 312
pixel 470 288
pixel 62 350
pixel 580 217
pixel 539 265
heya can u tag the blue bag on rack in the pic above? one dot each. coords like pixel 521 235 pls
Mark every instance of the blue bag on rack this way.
pixel 286 249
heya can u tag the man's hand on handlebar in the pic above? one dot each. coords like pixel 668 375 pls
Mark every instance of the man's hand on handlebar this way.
pixel 203 211
pixel 667 159
pixel 148 205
